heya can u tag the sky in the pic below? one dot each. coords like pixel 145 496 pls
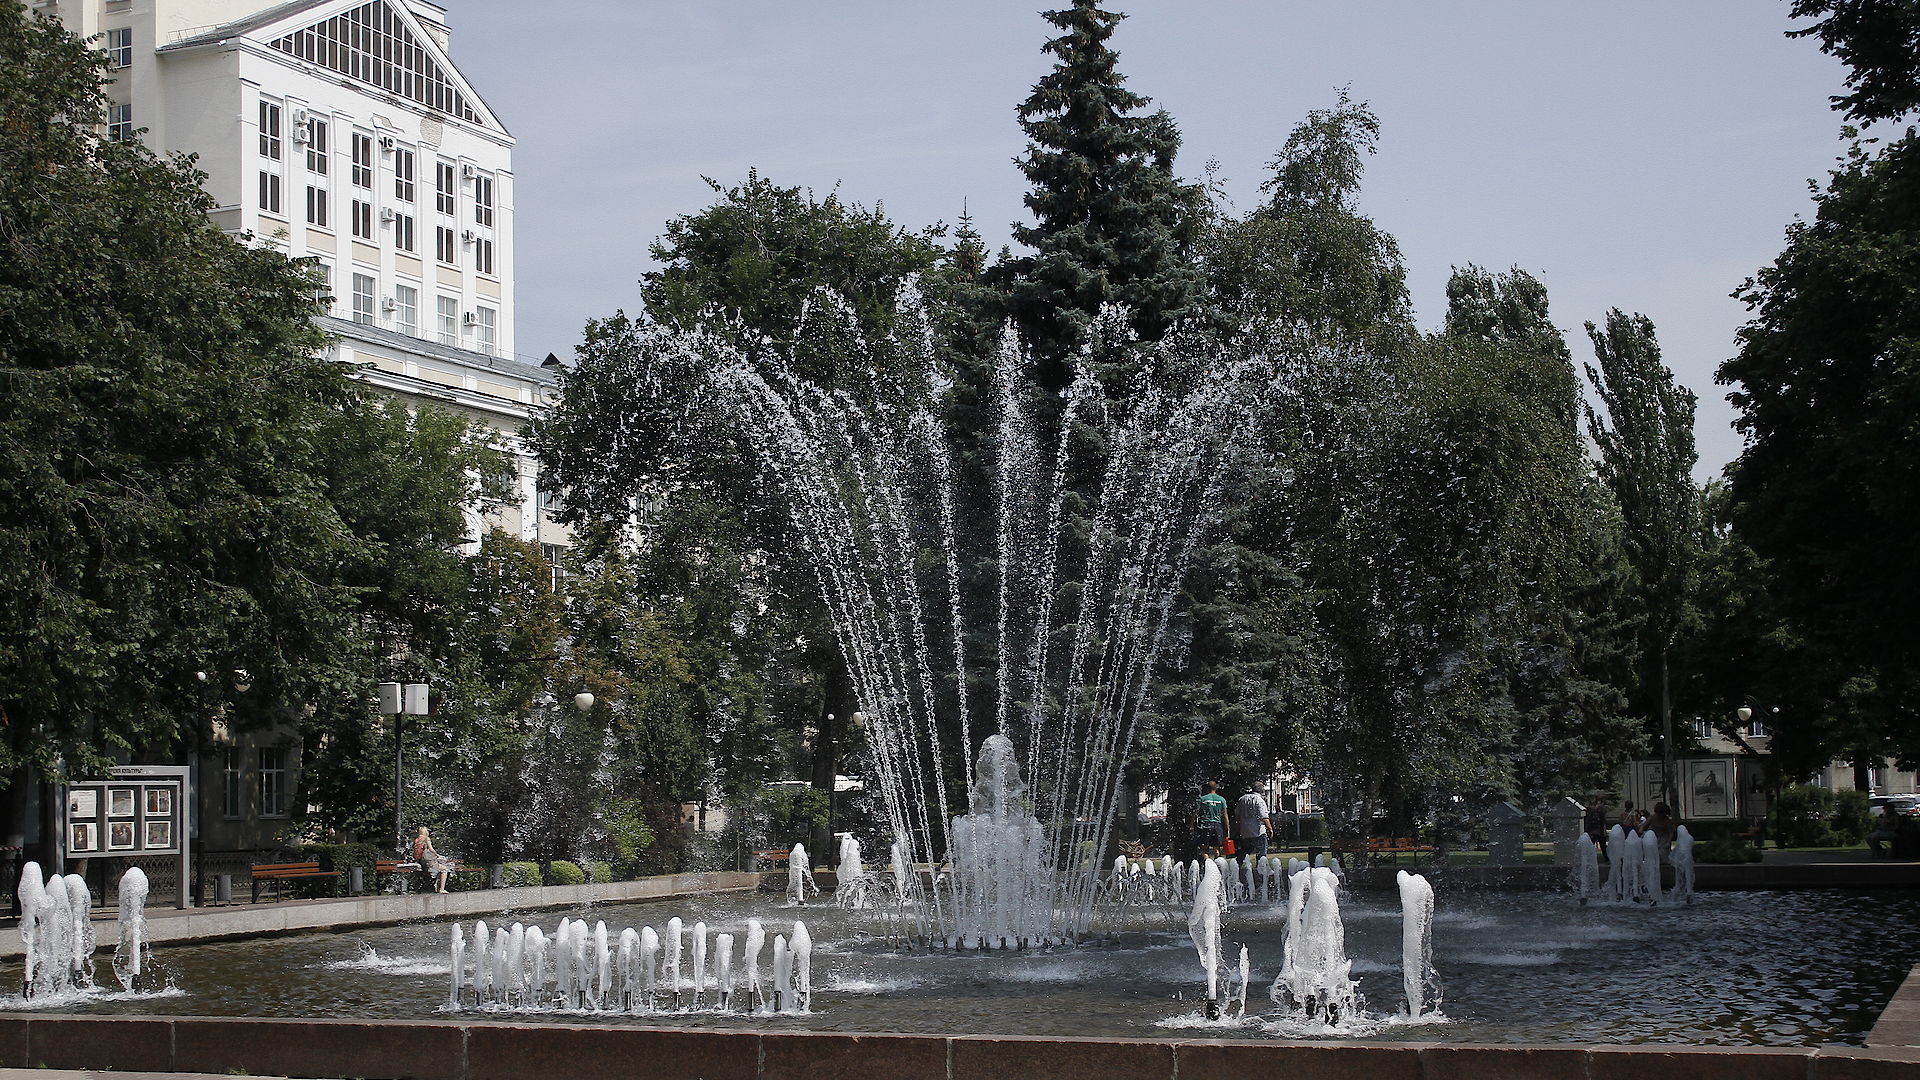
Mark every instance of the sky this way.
pixel 1640 154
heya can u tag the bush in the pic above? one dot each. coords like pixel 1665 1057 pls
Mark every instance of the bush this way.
pixel 1804 813
pixel 562 872
pixel 521 874
pixel 338 857
pixel 1852 817
pixel 1728 850
pixel 473 877
pixel 599 872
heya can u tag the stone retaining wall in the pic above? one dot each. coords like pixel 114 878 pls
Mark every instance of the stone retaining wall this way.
pixel 461 1051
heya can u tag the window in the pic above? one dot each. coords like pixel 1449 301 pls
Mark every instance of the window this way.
pixel 322 296
pixel 445 245
pixel 371 43
pixel 363 299
pixel 483 256
pixel 555 575
pixel 483 329
pixel 446 186
pixel 483 200
pixel 120 48
pixel 316 206
pixel 362 160
pixel 447 312
pixel 269 130
pixel 273 782
pixel 119 123
pixel 362 219
pixel 232 805
pixel 317 146
pixel 270 193
pixel 406 310
pixel 403 175
pixel 403 232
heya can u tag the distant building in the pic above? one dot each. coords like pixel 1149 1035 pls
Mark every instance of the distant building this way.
pixel 340 131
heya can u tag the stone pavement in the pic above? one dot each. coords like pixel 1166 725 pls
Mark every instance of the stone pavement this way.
pixel 169 924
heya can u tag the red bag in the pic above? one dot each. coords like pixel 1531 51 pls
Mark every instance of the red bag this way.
pixel 1229 848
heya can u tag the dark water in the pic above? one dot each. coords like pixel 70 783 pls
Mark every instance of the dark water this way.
pixel 1802 968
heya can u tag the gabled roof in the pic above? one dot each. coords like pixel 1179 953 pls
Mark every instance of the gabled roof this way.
pixel 330 34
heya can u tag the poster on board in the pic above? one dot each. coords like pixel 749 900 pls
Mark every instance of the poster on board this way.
pixel 1709 786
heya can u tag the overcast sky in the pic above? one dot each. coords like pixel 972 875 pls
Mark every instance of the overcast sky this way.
pixel 1640 154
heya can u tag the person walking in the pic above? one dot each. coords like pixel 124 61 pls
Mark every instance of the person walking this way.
pixel 1252 824
pixel 1210 822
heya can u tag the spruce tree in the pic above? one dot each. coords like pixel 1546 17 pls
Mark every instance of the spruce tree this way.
pixel 1112 224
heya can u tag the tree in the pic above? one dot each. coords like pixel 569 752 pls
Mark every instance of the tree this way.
pixel 1645 437
pixel 1827 385
pixel 1112 224
pixel 165 389
pixel 1308 254
pixel 1880 41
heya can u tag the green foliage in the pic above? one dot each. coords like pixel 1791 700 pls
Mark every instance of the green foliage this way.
pixel 1112 224
pixel 599 872
pixel 1852 816
pixel 1879 41
pixel 563 872
pixel 1805 812
pixel 340 857
pixel 520 875
pixel 1308 255
pixel 1726 850
pixel 792 814
pixel 1644 432
pixel 1827 383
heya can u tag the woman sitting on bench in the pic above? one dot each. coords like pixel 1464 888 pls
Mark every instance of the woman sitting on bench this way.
pixel 430 860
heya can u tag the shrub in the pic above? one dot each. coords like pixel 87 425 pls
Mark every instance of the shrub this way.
pixel 1852 817
pixel 473 877
pixel 521 874
pixel 1728 850
pixel 562 872
pixel 598 872
pixel 1804 813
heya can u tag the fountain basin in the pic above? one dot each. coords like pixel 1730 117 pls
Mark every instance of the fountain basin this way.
pixel 1736 969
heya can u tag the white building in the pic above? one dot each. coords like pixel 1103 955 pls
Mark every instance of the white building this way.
pixel 340 131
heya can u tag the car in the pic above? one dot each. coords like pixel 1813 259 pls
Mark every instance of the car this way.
pixel 1904 805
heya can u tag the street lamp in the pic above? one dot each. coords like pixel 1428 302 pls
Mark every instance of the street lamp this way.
pixel 583 701
pixel 398 700
pixel 1744 712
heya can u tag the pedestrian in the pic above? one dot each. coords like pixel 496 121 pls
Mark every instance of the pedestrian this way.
pixel 430 860
pixel 1252 824
pixel 1210 822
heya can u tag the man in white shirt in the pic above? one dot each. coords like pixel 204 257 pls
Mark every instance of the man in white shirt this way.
pixel 1252 824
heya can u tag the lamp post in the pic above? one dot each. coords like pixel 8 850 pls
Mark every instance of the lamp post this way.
pixel 398 700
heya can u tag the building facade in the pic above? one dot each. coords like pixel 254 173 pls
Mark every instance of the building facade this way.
pixel 340 132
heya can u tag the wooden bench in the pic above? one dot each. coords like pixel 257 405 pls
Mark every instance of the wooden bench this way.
pixel 278 874
pixel 390 867
pixel 1396 846
pixel 777 858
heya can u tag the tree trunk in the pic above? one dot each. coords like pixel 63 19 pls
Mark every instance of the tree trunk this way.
pixel 1669 761
pixel 1863 761
pixel 825 764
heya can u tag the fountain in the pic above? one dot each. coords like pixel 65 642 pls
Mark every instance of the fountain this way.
pixel 506 970
pixel 870 485
pixel 1417 977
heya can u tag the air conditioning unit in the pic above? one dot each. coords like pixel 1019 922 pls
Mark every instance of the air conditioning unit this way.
pixel 469 236
pixel 302 134
pixel 469 319
pixel 386 142
pixel 386 214
pixel 299 117
pixel 388 303
pixel 467 171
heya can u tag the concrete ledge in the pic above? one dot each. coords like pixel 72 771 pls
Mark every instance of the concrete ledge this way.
pixel 170 926
pixel 448 1050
